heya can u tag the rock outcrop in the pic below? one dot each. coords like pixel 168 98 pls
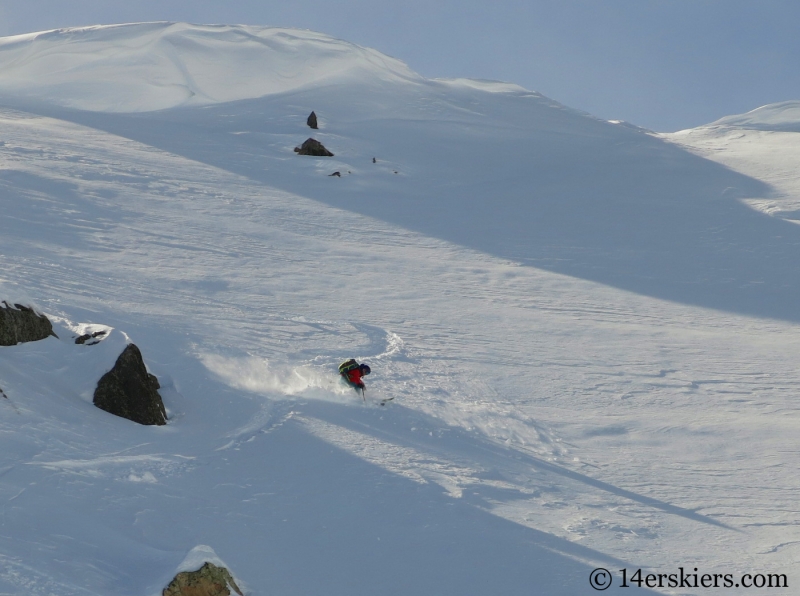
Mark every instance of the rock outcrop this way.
pixel 209 580
pixel 313 147
pixel 19 324
pixel 129 391
pixel 312 121
pixel 88 337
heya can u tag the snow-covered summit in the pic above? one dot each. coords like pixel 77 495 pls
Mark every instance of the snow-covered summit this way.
pixel 143 67
pixel 780 117
pixel 762 143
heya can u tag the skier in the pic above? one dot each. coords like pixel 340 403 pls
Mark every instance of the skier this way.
pixel 352 372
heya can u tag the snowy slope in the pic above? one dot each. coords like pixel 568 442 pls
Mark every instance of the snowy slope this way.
pixel 153 66
pixel 776 117
pixel 763 143
pixel 590 341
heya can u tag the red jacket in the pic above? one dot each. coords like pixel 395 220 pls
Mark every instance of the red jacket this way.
pixel 354 378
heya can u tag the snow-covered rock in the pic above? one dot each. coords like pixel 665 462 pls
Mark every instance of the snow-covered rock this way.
pixel 20 324
pixel 209 580
pixel 129 391
pixel 314 148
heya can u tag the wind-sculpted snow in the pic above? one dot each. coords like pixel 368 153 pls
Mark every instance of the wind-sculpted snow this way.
pixel 777 117
pixel 154 66
pixel 545 419
pixel 763 144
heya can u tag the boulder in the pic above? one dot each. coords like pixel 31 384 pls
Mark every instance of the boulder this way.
pixel 129 391
pixel 209 580
pixel 313 147
pixel 19 324
pixel 312 121
pixel 87 337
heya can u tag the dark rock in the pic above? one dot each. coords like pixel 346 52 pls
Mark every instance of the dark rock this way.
pixel 313 147
pixel 312 120
pixel 128 391
pixel 86 337
pixel 19 324
pixel 209 580
pixel 153 381
pixel 339 174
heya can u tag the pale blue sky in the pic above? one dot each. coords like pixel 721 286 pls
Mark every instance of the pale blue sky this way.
pixel 662 64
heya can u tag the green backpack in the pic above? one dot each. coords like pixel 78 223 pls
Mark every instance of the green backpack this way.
pixel 346 367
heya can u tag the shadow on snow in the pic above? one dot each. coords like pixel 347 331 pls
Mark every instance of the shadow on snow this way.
pixel 518 177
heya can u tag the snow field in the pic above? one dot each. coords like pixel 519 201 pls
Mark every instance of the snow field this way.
pixel 543 424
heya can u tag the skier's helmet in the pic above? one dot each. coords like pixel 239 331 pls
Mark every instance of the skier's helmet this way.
pixel 365 370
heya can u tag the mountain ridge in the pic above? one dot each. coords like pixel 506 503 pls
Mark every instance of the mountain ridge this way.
pixel 154 66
